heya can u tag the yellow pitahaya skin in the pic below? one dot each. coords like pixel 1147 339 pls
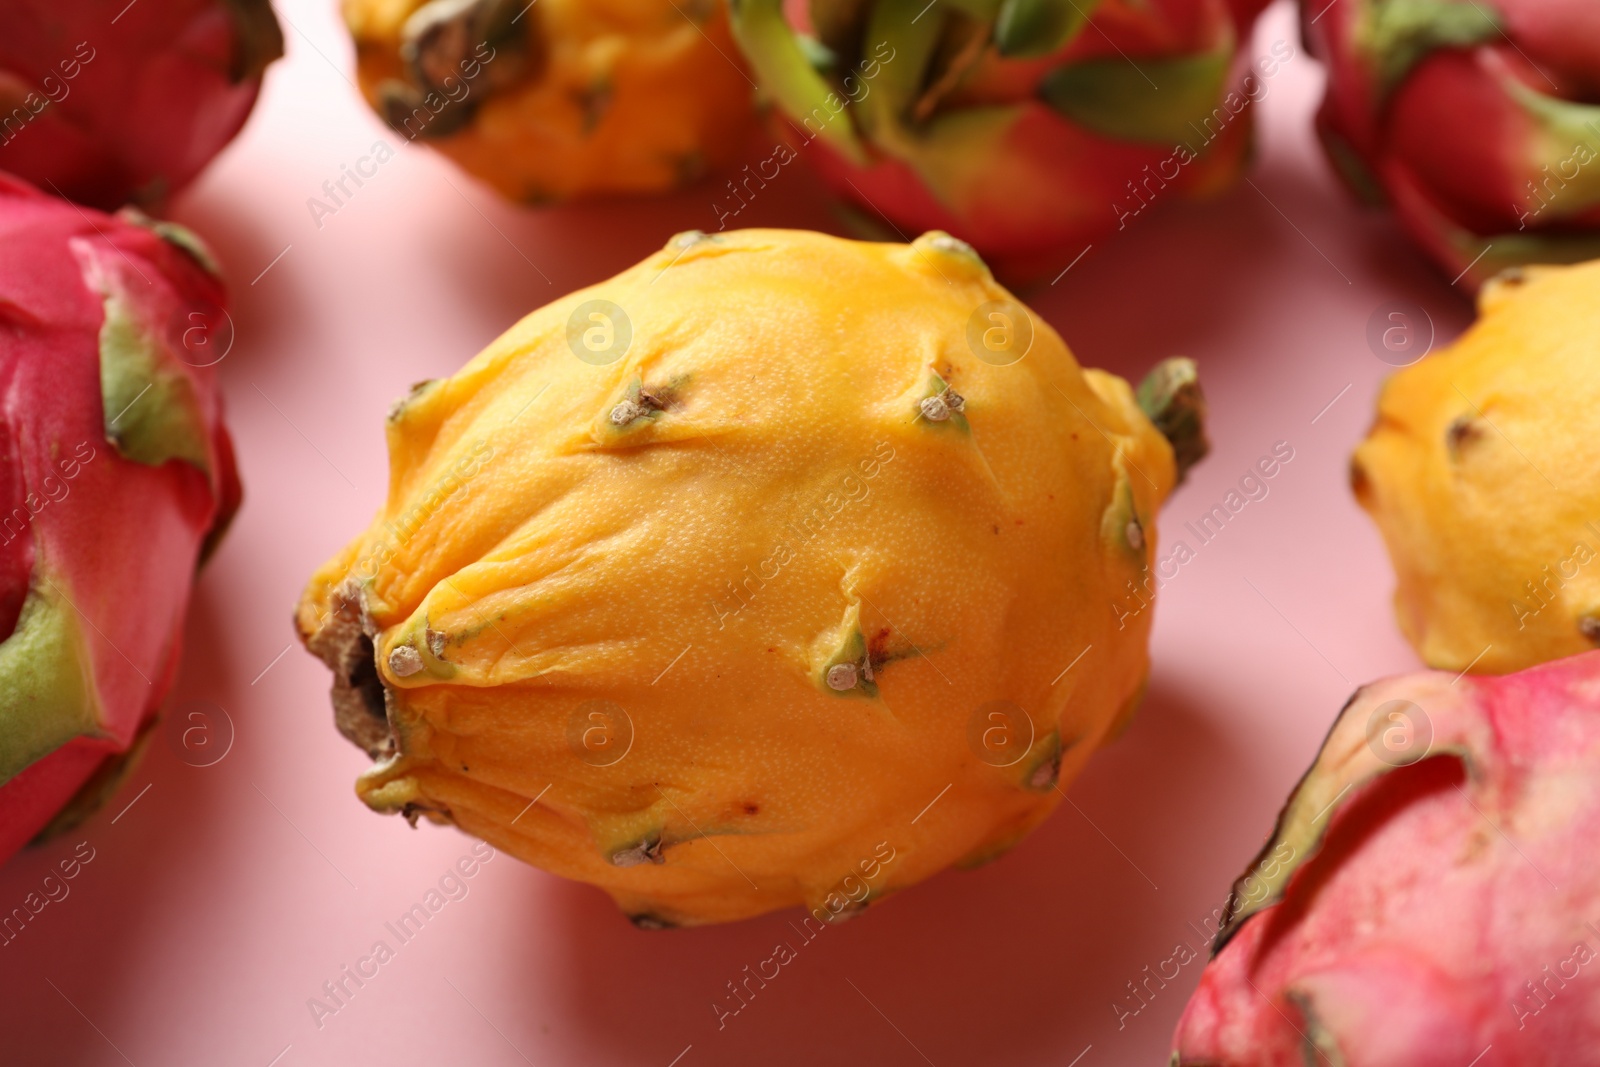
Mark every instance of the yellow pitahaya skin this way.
pixel 756 576
pixel 1429 893
pixel 1479 472
pixel 561 99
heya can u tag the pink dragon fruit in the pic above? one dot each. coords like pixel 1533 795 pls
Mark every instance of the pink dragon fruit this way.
pixel 115 474
pixel 1025 127
pixel 1476 119
pixel 1430 892
pixel 107 102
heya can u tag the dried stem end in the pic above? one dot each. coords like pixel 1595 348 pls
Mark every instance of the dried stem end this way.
pixel 1171 396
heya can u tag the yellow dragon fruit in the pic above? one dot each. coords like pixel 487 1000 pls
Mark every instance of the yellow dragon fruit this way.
pixel 561 98
pixel 1480 473
pixel 779 569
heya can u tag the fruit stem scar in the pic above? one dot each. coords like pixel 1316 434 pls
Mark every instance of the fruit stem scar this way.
pixel 631 409
pixel 1171 397
pixel 405 661
pixel 941 406
pixel 646 851
pixel 842 676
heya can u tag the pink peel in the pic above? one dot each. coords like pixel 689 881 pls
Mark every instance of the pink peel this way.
pixel 1433 909
pixel 102 528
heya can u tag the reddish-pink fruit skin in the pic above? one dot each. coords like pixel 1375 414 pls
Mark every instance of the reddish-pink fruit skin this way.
pixel 1061 187
pixel 110 112
pixel 1052 186
pixel 1444 908
pixel 1454 145
pixel 121 537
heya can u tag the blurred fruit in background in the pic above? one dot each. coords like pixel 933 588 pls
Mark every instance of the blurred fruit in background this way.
pixel 1429 891
pixel 1477 120
pixel 561 98
pixel 704 604
pixel 1026 127
pixel 116 475
pixel 1480 471
pixel 107 102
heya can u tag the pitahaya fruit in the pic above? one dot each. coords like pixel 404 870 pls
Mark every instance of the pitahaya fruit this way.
pixel 108 102
pixel 1430 892
pixel 1025 127
pixel 1498 424
pixel 562 99
pixel 1475 119
pixel 115 474
pixel 866 591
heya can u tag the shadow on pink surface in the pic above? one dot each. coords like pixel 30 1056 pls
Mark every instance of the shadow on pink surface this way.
pixel 265 319
pixel 84 949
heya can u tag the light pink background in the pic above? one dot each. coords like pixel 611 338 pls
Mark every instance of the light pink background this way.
pixel 225 896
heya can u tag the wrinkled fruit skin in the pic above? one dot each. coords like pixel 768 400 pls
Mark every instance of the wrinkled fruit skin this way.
pixel 1477 120
pixel 1429 891
pixel 108 113
pixel 115 472
pixel 560 99
pixel 1022 126
pixel 1479 472
pixel 731 606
